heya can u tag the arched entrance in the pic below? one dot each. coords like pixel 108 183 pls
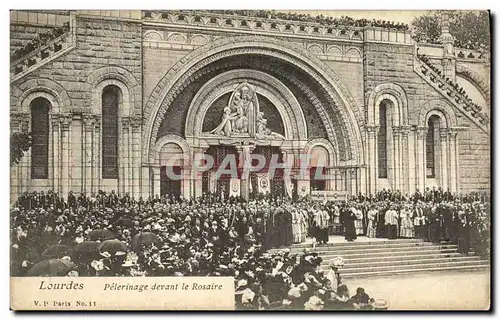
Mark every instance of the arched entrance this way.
pixel 302 97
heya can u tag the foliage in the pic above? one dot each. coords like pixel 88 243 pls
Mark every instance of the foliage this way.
pixel 471 29
pixel 20 142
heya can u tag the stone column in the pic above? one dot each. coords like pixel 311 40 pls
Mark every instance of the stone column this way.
pixel 420 158
pixel 372 158
pixel 156 180
pixel 453 160
pixel 405 155
pixel 66 155
pixel 194 182
pixel 56 151
pixel 96 155
pixel 15 171
pixel 302 173
pixel 444 166
pixel 136 141
pixel 88 123
pixel 244 156
pixel 124 158
pixel 396 152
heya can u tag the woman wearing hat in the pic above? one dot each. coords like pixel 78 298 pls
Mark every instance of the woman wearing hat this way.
pixel 333 274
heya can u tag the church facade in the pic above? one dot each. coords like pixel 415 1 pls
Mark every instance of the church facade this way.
pixel 120 99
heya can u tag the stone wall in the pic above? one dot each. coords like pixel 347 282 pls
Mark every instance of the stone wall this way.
pixel 140 55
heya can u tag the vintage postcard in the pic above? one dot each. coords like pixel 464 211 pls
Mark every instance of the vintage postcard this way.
pixel 250 160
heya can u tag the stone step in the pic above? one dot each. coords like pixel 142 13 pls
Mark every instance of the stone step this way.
pixel 375 242
pixel 484 266
pixel 407 257
pixel 439 264
pixel 381 249
pixel 384 254
pixel 403 261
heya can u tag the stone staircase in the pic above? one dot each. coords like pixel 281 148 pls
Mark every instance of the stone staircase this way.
pixel 450 93
pixel 394 257
pixel 42 54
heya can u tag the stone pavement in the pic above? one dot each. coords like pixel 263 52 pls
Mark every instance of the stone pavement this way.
pixel 434 291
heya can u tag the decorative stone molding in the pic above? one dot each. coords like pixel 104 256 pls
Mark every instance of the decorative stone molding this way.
pixel 171 138
pixel 332 155
pixel 88 120
pixel 171 84
pixel 482 84
pixel 65 120
pixel 24 92
pixel 135 122
pixel 451 94
pixel 394 93
pixel 439 108
pixel 272 27
pixel 120 77
pixel 284 101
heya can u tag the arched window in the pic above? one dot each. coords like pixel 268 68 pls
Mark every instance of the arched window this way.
pixel 40 138
pixel 110 100
pixel 382 141
pixel 431 143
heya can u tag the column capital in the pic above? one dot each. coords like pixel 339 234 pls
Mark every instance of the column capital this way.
pixel 135 122
pixel 396 130
pixel 422 130
pixel 65 120
pixel 443 132
pixel 97 121
pixel 372 129
pixel 125 122
pixel 88 120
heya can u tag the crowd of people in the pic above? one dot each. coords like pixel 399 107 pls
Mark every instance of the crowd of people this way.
pixel 458 88
pixel 41 40
pixel 110 235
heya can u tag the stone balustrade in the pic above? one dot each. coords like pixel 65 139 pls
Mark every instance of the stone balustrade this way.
pixel 43 52
pixel 450 92
pixel 234 22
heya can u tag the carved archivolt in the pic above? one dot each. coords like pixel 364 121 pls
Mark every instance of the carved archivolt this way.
pixel 440 108
pixel 476 79
pixel 176 78
pixel 286 104
pixel 33 88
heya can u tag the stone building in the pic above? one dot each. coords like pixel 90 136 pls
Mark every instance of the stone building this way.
pixel 115 95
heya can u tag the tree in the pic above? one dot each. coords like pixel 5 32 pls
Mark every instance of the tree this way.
pixel 470 28
pixel 20 142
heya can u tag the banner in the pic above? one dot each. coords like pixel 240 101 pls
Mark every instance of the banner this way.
pixel 234 188
pixel 263 184
pixel 329 195
pixel 288 186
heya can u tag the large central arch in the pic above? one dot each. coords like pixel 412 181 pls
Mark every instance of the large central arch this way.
pixel 177 78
